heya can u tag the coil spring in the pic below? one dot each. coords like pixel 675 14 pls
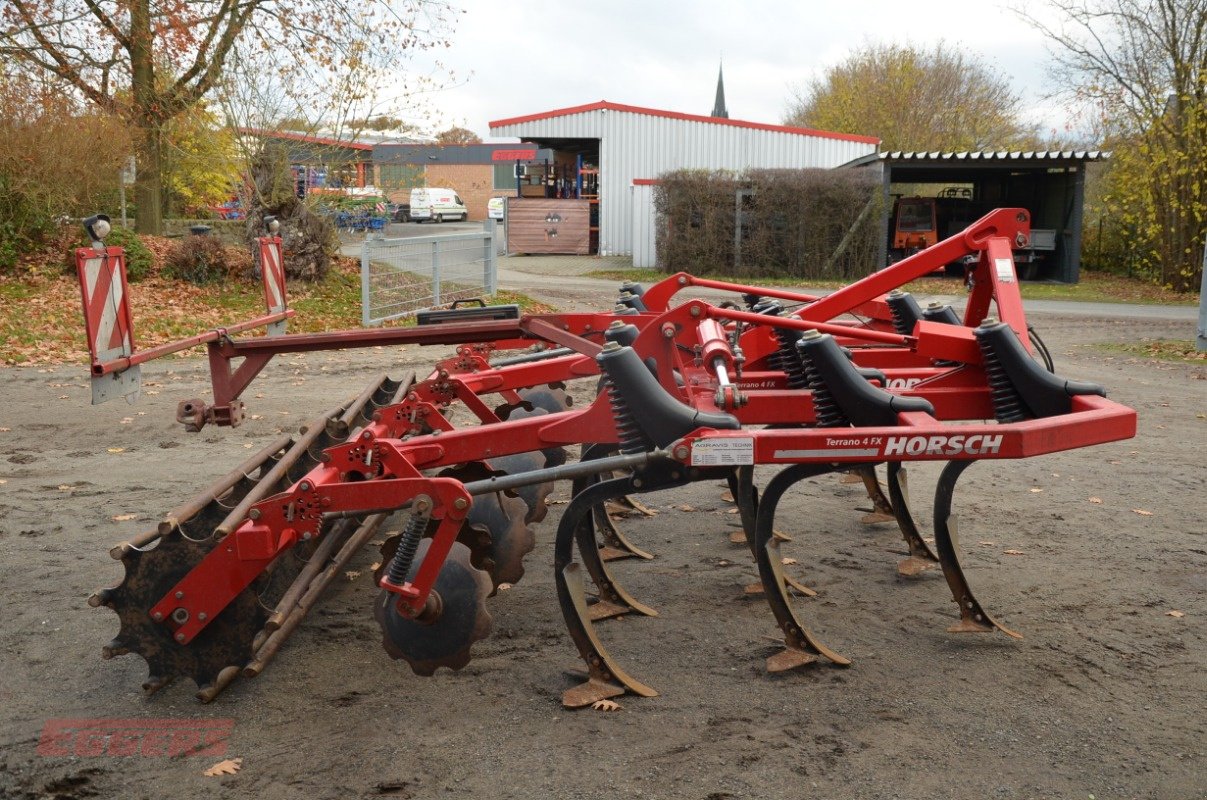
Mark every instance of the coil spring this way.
pixel 1008 405
pixel 632 438
pixel 789 359
pixel 900 325
pixel 404 556
pixel 825 408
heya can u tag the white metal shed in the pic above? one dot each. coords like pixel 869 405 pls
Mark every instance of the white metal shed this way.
pixel 634 145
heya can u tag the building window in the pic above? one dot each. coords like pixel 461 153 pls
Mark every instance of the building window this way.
pixel 400 176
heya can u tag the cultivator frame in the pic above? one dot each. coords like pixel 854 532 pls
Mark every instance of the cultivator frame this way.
pixel 686 392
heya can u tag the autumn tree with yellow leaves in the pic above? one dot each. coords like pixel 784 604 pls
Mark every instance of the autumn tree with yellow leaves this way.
pixel 150 61
pixel 1141 67
pixel 913 98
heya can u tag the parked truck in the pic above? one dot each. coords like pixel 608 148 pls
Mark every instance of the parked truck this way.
pixel 921 222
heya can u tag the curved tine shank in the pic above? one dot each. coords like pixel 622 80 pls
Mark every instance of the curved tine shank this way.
pixel 605 678
pixel 746 496
pixel 882 509
pixel 920 558
pixel 615 544
pixel 801 647
pixel 614 600
pixel 973 618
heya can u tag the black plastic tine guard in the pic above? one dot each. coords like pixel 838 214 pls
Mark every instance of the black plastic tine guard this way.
pixel 621 334
pixel 937 312
pixel 1042 393
pixel 861 402
pixel 661 417
pixel 631 300
pixel 905 310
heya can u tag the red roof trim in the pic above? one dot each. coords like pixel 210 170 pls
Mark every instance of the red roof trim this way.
pixel 301 137
pixel 604 105
pixel 646 181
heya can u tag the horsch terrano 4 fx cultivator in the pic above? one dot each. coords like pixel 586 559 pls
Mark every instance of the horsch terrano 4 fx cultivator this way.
pixel 684 390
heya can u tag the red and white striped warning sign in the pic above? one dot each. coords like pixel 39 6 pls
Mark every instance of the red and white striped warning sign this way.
pixel 102 275
pixel 273 270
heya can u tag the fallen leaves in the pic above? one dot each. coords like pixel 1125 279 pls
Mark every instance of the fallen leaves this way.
pixel 1096 501
pixel 606 705
pixel 123 517
pixel 1036 490
pixel 116 450
pixel 727 496
pixel 1142 512
pixel 6 430
pixel 352 574
pixel 787 562
pixel 987 544
pixel 504 586
pixel 1013 553
pixel 1175 614
pixel 226 767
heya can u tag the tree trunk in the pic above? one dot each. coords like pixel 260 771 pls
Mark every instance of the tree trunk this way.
pixel 148 193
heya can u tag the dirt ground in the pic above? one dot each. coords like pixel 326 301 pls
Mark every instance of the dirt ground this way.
pixel 1104 698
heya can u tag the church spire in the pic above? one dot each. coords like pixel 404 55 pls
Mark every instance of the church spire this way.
pixel 718 108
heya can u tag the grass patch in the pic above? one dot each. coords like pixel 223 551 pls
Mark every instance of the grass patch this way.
pixel 41 321
pixel 1182 350
pixel 1095 287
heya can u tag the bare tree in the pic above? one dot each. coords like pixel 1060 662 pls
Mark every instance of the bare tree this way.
pixel 912 98
pixel 149 60
pixel 1141 67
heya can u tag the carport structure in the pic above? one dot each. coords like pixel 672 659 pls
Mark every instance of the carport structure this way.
pixel 1050 184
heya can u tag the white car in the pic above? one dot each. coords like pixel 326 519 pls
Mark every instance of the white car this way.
pixel 496 208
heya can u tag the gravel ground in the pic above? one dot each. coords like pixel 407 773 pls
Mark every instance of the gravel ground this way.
pixel 1104 698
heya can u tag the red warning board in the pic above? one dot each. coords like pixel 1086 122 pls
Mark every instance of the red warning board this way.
pixel 106 297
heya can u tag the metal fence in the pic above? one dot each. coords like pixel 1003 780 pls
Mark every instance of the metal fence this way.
pixel 402 276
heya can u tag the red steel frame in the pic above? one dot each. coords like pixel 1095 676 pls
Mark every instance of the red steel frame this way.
pixel 380 470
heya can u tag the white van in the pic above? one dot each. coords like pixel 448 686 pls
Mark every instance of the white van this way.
pixel 437 204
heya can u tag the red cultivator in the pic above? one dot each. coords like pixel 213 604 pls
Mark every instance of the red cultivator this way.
pixel 688 392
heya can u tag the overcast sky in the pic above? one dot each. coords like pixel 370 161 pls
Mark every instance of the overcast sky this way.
pixel 516 57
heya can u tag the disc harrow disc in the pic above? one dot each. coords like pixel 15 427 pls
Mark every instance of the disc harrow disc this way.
pixel 508 538
pixel 150 574
pixel 461 620
pixel 534 495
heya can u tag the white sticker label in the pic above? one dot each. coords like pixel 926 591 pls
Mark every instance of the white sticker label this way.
pixel 723 452
pixel 1005 269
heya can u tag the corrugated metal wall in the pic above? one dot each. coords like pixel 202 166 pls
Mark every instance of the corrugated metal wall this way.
pixel 644 225
pixel 634 145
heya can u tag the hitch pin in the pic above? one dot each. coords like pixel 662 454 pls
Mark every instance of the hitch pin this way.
pixel 289 512
pixel 368 456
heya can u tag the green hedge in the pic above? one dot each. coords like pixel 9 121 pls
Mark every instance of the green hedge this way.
pixel 807 223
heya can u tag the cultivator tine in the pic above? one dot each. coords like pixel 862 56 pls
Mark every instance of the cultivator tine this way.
pixel 801 647
pixel 615 545
pixel 604 677
pixel 921 557
pixel 613 600
pixel 882 509
pixel 973 618
pixel 746 497
pixel 312 585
